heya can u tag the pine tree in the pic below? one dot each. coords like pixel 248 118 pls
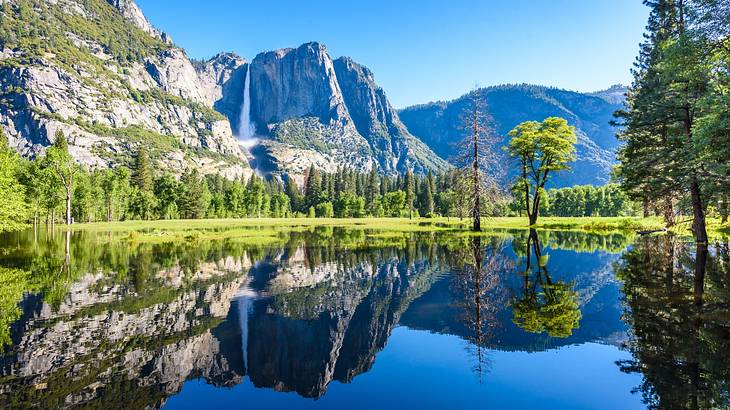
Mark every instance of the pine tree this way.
pixel 143 175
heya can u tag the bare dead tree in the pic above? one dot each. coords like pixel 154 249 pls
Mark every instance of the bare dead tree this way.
pixel 477 158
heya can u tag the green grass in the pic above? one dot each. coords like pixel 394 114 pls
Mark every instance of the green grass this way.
pixel 269 230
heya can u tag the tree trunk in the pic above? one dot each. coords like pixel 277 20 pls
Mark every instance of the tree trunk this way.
pixel 668 211
pixel 68 206
pixel 699 227
pixel 646 207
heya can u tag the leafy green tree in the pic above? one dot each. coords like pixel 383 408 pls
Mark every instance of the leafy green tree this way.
pixel 295 196
pixel 325 210
pixel 13 209
pixel 540 148
pixel 167 191
pixel 394 203
pixel 60 162
pixel 410 190
pixel 280 207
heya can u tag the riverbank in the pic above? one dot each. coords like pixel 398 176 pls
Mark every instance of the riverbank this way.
pixel 262 230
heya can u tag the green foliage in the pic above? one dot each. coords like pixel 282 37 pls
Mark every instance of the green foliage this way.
pixel 587 200
pixel 540 148
pixel 676 121
pixel 13 208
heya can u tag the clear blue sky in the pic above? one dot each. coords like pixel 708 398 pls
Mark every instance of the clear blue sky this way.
pixel 427 50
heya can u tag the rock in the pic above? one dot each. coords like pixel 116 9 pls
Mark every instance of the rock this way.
pixel 316 111
pixel 108 107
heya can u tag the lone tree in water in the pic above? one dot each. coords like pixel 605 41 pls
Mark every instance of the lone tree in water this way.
pixel 540 148
pixel 63 166
pixel 477 159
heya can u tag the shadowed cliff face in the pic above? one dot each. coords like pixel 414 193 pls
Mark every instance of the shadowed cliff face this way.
pixel 314 110
pixel 295 82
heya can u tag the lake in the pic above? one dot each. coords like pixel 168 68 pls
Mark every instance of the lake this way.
pixel 331 318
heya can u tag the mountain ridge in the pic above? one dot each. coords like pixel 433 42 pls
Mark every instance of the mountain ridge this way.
pixel 437 124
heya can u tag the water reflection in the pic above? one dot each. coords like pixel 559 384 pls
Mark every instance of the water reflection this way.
pixel 545 305
pixel 677 298
pixel 91 320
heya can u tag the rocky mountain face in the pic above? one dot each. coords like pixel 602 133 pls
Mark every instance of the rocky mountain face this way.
pixel 98 72
pixel 311 109
pixel 438 124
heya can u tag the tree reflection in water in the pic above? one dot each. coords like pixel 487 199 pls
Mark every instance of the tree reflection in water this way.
pixel 676 300
pixel 478 295
pixel 545 305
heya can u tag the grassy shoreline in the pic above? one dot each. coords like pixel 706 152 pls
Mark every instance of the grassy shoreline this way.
pixel 269 230
pixel 269 225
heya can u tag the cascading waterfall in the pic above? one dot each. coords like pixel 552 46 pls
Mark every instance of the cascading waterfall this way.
pixel 246 129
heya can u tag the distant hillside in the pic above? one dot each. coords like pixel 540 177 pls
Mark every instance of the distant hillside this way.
pixel 437 124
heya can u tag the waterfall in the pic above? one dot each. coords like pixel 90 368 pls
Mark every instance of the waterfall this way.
pixel 246 129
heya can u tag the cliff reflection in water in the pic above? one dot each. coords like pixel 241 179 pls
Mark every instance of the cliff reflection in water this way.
pixel 109 323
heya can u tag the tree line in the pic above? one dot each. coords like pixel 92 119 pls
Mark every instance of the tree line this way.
pixel 677 120
pixel 53 187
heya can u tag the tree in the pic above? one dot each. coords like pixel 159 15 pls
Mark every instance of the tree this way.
pixel 63 166
pixel 676 124
pixel 477 161
pixel 195 197
pixel 167 191
pixel 324 210
pixel 13 209
pixel 410 188
pixel 143 176
pixel 295 196
pixel 426 198
pixel 540 148
pixel 394 203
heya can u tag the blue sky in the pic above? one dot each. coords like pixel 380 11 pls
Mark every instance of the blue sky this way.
pixel 427 50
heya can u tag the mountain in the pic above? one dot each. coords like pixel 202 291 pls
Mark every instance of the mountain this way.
pixel 311 109
pixel 438 123
pixel 100 73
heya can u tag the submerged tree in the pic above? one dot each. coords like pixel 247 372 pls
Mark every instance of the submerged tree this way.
pixel 541 148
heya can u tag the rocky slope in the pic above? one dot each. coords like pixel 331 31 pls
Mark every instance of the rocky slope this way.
pixel 98 72
pixel 438 123
pixel 311 109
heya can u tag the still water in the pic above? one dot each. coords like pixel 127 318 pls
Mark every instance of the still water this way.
pixel 345 318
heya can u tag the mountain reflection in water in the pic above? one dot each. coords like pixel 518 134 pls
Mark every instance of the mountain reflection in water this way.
pixel 93 321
